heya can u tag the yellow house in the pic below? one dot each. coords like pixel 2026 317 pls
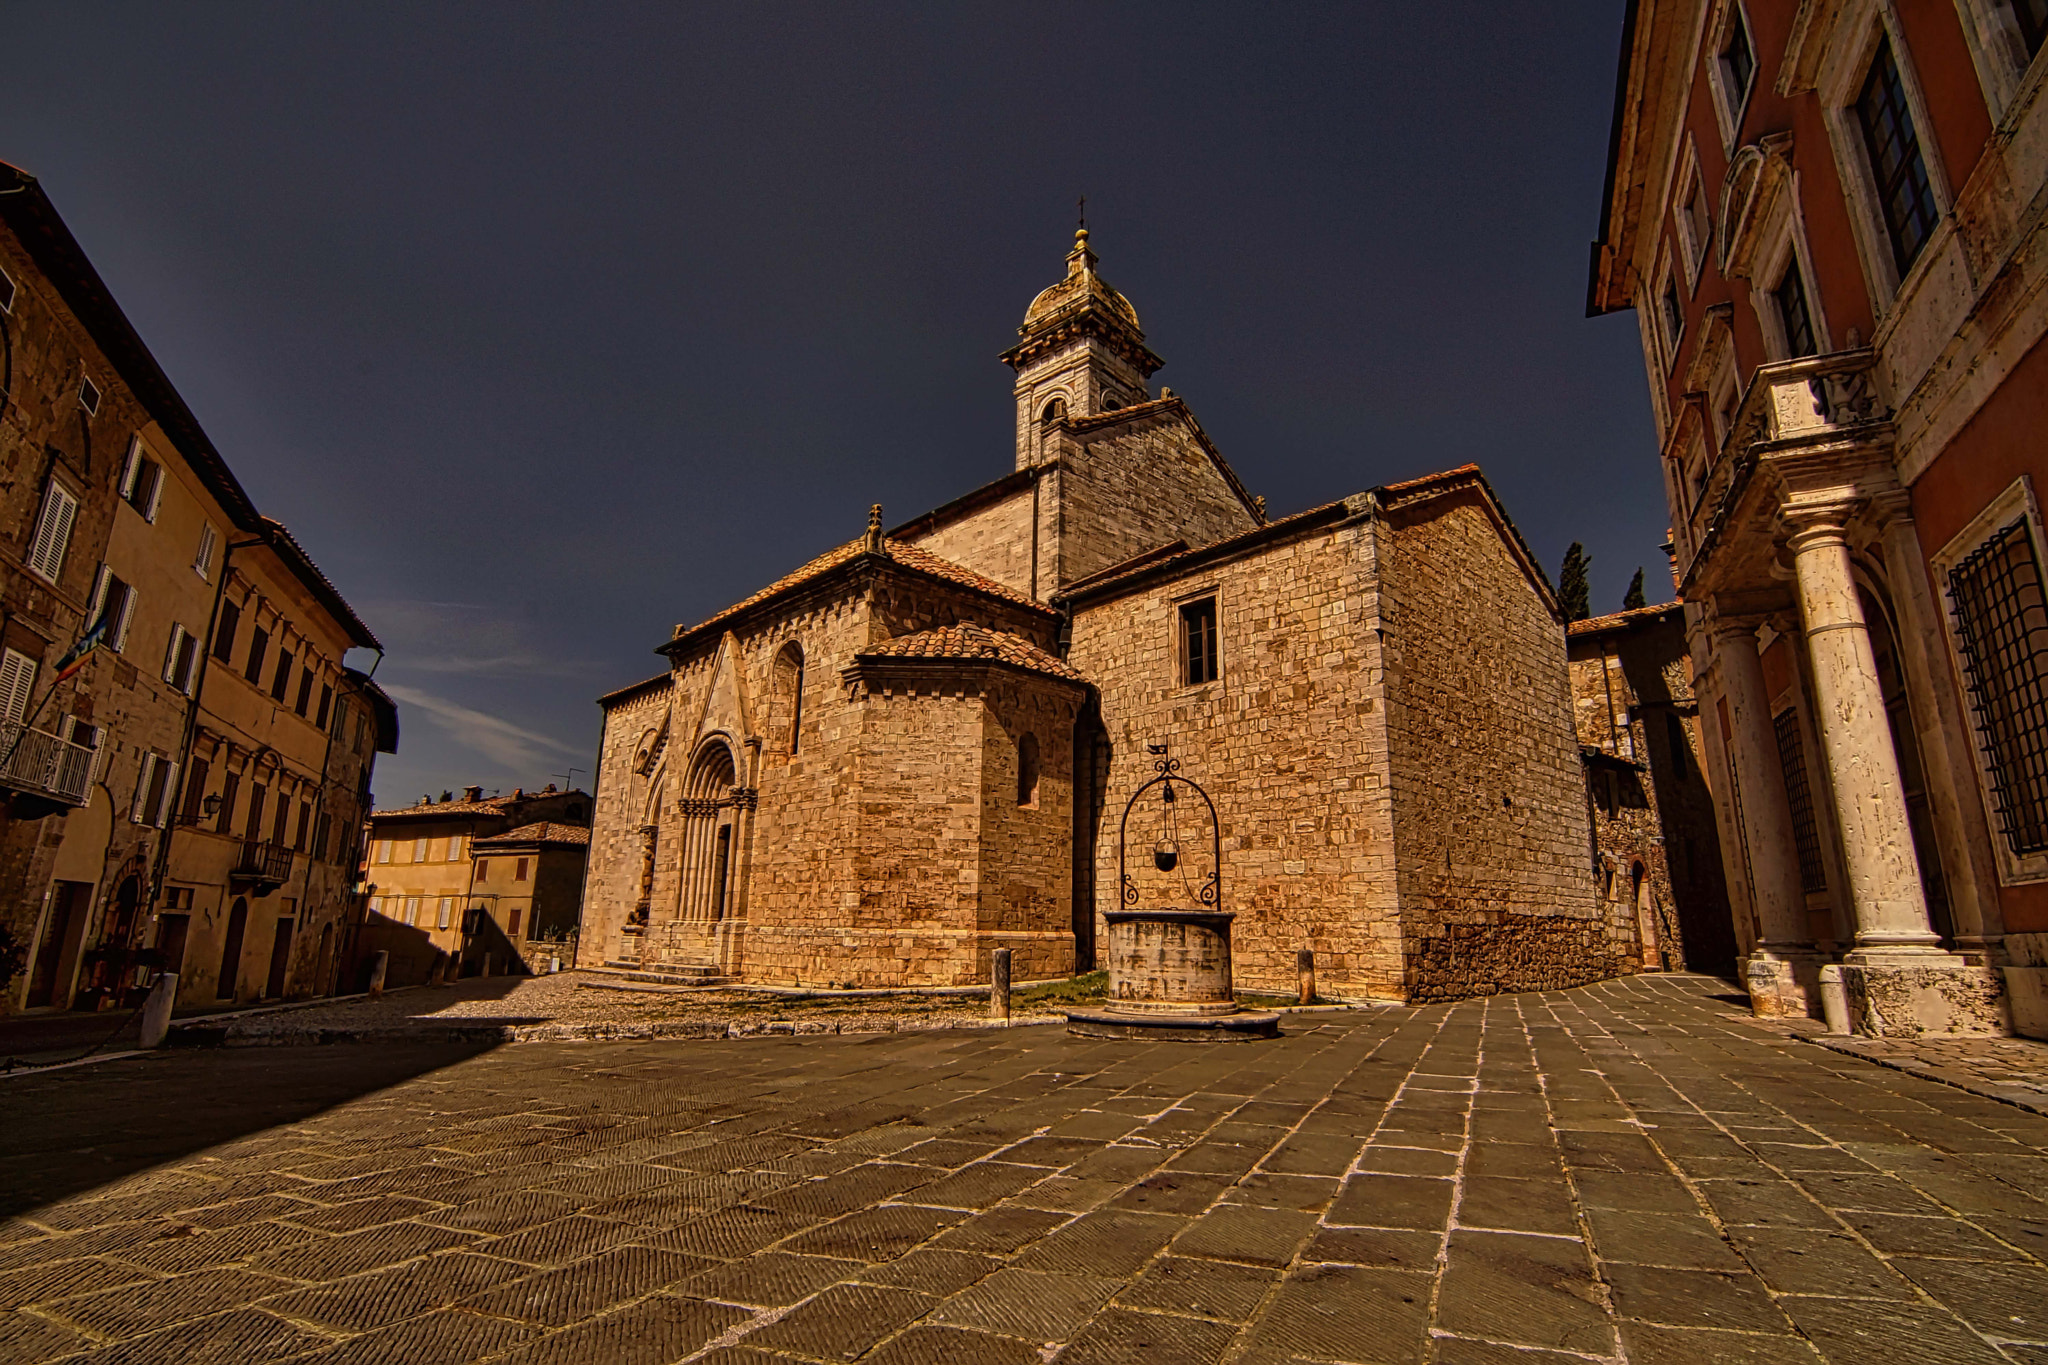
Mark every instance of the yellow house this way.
pixel 431 862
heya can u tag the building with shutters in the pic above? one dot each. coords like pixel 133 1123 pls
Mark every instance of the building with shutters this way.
pixel 117 513
pixel 1828 221
pixel 472 884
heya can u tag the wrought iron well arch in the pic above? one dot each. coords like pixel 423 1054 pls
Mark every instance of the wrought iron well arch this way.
pixel 1210 893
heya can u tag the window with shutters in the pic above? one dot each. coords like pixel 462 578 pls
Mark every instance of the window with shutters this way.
pixel 447 909
pixel 53 532
pixel 17 685
pixel 305 700
pixel 253 830
pixel 282 817
pixel 1795 322
pixel 419 850
pixel 259 644
pixel 483 869
pixel 519 871
pixel 305 821
pixel 181 659
pixel 113 601
pixel 1199 658
pixel 202 561
pixel 383 850
pixel 224 632
pixel 230 787
pixel 155 785
pixel 412 910
pixel 281 679
pixel 326 700
pixel 142 481
pixel 195 792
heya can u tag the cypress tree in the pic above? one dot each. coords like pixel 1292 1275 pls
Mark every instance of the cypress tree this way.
pixel 1571 584
pixel 1634 598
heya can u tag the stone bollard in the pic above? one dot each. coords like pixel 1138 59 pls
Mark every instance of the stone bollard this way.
pixel 999 985
pixel 1305 963
pixel 1834 999
pixel 156 1010
pixel 378 964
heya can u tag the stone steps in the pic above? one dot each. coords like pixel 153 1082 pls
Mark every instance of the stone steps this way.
pixel 669 974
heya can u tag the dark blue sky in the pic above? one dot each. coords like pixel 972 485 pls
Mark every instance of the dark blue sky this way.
pixel 548 327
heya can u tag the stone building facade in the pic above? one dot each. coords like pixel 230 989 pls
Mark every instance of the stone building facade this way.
pixel 1827 219
pixel 471 884
pixel 1652 812
pixel 919 746
pixel 118 858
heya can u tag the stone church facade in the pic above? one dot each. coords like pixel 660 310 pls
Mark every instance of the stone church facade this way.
pixel 918 747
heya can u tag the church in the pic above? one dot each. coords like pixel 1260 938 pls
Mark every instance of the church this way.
pixel 923 744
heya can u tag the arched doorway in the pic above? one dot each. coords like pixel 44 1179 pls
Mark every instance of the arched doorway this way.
pixel 1898 713
pixel 231 949
pixel 709 812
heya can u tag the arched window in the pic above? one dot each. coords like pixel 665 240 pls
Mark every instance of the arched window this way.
pixel 1055 411
pixel 789 697
pixel 1027 770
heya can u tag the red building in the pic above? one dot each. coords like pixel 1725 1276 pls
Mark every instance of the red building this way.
pixel 1828 219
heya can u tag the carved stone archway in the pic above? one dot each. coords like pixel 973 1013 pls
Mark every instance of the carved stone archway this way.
pixel 711 806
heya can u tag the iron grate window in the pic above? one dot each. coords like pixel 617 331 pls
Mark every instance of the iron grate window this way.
pixel 1805 835
pixel 1793 316
pixel 2002 631
pixel 1888 136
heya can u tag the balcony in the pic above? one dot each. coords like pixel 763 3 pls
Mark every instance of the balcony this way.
pixel 262 866
pixel 39 763
pixel 1816 420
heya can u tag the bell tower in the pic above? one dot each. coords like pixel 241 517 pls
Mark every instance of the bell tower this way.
pixel 1081 352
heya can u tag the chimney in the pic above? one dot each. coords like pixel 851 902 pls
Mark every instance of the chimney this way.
pixel 519 793
pixel 447 796
pixel 472 793
pixel 548 790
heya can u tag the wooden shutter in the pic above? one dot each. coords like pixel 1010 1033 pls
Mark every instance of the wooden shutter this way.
pixel 171 655
pixel 53 531
pixel 202 563
pixel 132 467
pixel 17 682
pixel 139 809
pixel 167 797
pixel 119 638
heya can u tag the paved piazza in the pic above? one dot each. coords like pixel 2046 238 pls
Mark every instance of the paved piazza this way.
pixel 1635 1170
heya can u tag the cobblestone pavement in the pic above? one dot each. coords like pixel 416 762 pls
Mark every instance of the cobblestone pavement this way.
pixel 1630 1171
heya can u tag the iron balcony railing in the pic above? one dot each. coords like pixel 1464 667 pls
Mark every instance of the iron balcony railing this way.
pixel 262 862
pixel 37 761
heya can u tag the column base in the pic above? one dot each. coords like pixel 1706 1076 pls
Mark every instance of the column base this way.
pixel 1897 1000
pixel 2026 984
pixel 1783 985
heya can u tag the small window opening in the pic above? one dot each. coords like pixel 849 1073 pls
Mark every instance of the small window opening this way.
pixel 1027 769
pixel 1738 62
pixel 1199 662
pixel 1055 411
pixel 1793 317
pixel 89 397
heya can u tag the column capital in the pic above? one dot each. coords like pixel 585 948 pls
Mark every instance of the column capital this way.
pixel 1819 521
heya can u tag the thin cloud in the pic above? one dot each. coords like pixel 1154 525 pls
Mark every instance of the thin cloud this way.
pixel 511 746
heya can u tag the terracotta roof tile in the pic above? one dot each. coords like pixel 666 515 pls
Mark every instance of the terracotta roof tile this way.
pixel 968 641
pixel 909 556
pixel 544 832
pixel 1592 625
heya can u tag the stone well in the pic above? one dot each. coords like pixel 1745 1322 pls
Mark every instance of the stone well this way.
pixel 1169 977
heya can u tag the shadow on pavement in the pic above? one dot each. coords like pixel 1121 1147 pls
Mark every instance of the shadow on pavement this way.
pixel 67 1132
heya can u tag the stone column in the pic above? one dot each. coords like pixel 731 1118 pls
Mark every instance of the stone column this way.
pixel 1783 969
pixel 1946 755
pixel 1862 767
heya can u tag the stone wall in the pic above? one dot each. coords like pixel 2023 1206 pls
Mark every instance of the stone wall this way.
pixel 994 540
pixel 1490 815
pixel 1289 742
pixel 1130 483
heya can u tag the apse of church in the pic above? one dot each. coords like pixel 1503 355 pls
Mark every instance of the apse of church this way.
pixel 911 750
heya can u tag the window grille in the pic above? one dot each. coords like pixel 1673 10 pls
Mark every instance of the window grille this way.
pixel 1903 191
pixel 1805 835
pixel 2002 633
pixel 1793 316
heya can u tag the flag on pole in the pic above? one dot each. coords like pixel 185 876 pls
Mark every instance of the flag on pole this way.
pixel 95 636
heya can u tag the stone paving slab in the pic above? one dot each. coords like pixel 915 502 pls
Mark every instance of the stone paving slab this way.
pixel 1633 1171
